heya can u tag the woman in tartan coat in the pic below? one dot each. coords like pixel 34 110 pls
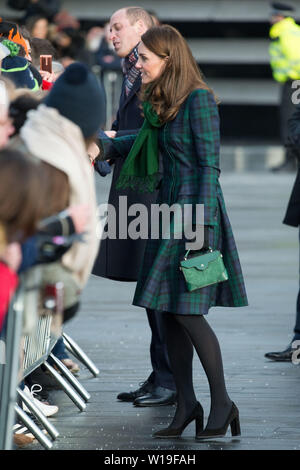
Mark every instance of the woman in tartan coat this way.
pixel 182 126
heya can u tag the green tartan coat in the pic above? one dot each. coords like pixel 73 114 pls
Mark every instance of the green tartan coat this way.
pixel 189 153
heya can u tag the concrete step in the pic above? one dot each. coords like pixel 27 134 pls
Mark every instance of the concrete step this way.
pixel 243 91
pixel 230 51
pixel 250 158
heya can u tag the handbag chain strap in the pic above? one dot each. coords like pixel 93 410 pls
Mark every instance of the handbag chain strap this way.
pixel 187 253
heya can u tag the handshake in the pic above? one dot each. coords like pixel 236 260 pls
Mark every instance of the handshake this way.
pixel 102 167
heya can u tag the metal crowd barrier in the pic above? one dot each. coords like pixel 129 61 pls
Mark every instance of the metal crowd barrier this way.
pixel 112 83
pixel 36 346
pixel 9 369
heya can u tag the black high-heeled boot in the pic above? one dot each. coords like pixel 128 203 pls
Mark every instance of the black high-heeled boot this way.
pixel 170 432
pixel 233 420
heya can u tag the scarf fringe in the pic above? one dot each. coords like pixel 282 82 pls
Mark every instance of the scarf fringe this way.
pixel 142 184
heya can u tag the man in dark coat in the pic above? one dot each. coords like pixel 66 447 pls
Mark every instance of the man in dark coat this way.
pixel 292 218
pixel 121 259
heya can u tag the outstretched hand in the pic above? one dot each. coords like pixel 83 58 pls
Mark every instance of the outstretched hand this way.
pixel 93 151
pixel 110 134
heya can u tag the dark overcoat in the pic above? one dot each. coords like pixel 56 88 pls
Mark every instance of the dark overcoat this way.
pixel 292 216
pixel 120 259
pixel 189 146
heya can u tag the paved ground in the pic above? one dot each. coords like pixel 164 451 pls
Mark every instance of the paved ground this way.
pixel 116 336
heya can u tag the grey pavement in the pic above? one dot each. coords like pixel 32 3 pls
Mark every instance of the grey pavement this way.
pixel 116 336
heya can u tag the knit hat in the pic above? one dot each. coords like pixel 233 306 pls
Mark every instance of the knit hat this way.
pixel 36 74
pixel 11 31
pixel 78 96
pixel 17 68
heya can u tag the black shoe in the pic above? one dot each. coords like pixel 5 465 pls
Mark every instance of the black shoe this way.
pixel 197 415
pixel 45 379
pixel 146 387
pixel 158 396
pixel 233 420
pixel 281 356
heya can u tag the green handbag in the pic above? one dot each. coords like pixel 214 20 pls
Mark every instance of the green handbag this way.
pixel 203 270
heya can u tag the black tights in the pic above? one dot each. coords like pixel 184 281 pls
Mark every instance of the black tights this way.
pixel 183 332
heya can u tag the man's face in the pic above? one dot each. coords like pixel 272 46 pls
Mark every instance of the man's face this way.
pixel 124 35
pixel 28 55
pixel 275 18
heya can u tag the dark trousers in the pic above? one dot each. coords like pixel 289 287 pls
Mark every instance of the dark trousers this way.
pixel 297 324
pixel 161 374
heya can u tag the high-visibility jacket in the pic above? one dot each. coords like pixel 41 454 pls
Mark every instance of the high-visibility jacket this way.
pixel 285 50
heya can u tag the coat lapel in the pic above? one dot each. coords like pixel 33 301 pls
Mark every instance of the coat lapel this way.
pixel 135 88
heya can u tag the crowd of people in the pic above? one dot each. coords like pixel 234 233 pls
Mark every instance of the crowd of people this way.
pixel 163 147
pixel 31 163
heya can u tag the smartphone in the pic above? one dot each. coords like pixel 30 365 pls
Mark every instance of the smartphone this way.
pixel 46 63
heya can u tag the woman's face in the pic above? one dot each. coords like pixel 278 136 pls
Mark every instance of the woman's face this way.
pixel 6 126
pixel 150 64
pixel 28 55
pixel 40 29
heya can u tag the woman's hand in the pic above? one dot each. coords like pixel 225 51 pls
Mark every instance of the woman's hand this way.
pixel 49 77
pixel 80 215
pixel 93 151
pixel 110 134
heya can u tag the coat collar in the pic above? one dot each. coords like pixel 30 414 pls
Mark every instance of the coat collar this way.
pixel 134 90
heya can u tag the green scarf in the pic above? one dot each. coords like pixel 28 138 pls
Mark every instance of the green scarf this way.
pixel 141 168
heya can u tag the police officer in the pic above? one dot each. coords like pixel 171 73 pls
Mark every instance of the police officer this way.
pixel 284 53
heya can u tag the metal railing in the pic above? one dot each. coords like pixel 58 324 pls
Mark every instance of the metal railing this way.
pixel 38 345
pixel 9 369
pixel 32 330
pixel 112 84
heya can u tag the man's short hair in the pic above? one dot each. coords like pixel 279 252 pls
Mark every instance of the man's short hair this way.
pixel 137 13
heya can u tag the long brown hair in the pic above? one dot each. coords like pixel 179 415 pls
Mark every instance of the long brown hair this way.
pixel 24 194
pixel 180 76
